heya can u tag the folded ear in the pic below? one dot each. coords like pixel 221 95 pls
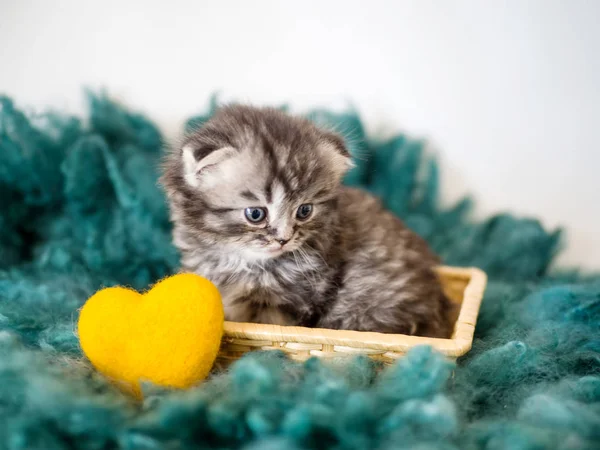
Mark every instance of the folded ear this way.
pixel 198 161
pixel 335 151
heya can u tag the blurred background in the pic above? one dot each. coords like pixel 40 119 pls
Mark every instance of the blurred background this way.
pixel 506 92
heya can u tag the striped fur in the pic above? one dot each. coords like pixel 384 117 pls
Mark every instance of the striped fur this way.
pixel 349 265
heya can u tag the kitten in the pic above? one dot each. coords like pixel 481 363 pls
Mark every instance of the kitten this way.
pixel 258 208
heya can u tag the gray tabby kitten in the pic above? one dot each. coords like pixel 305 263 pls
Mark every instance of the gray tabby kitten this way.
pixel 258 208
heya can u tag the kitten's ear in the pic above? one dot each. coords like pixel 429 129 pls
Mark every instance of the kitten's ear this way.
pixel 336 151
pixel 197 160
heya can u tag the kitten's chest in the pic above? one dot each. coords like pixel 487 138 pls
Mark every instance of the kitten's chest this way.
pixel 237 277
pixel 255 298
pixel 273 285
pixel 259 294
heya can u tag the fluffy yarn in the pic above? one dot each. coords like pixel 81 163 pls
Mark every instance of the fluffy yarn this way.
pixel 81 210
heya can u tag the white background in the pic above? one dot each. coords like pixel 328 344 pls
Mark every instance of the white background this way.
pixel 507 92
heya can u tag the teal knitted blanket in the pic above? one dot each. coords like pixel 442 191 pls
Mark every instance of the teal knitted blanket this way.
pixel 81 209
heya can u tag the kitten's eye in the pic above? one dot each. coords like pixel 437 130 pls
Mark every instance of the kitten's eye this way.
pixel 255 215
pixel 304 211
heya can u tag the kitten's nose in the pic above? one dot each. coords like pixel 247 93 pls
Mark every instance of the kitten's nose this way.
pixel 282 242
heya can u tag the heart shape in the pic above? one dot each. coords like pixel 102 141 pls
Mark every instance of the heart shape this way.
pixel 168 336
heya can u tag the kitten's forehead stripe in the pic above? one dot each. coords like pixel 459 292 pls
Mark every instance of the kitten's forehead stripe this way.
pixel 322 192
pixel 249 196
pixel 277 171
pixel 269 190
pixel 221 210
pixel 270 153
pixel 281 179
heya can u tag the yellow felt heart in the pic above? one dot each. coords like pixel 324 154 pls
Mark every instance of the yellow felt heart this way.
pixel 169 336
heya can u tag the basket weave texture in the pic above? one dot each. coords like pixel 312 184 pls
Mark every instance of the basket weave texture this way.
pixel 464 286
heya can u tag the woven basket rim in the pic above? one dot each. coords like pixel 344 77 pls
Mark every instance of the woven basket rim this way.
pixel 458 345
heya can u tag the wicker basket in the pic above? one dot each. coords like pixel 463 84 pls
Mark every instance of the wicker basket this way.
pixel 464 286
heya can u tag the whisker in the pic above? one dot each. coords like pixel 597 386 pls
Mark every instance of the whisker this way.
pixel 317 253
pixel 298 252
pixel 308 262
pixel 299 267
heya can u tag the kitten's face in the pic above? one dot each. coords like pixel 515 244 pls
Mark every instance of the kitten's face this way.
pixel 257 182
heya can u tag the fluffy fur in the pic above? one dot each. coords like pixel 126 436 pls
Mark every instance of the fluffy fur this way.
pixel 348 265
pixel 81 210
